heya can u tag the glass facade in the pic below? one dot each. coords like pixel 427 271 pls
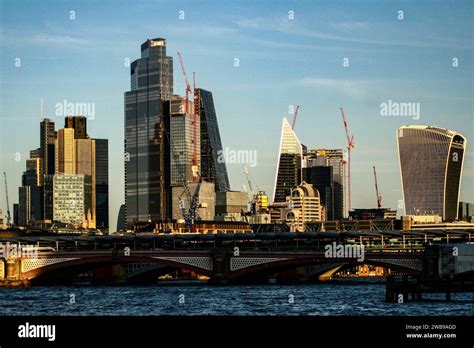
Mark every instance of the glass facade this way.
pixel 212 170
pixel 288 174
pixel 47 148
pixel 431 162
pixel 182 138
pixel 151 80
pixel 331 186
pixel 102 182
pixel 79 123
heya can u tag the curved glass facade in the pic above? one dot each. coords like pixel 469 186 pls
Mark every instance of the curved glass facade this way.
pixel 431 162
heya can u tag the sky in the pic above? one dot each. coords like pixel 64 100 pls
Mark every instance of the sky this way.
pixel 317 54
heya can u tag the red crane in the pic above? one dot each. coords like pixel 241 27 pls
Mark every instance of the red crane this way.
pixel 295 115
pixel 379 197
pixel 188 90
pixel 188 87
pixel 350 145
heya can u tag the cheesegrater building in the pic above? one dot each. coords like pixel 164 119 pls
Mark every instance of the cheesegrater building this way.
pixel 431 161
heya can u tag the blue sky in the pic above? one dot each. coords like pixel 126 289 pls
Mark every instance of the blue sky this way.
pixel 283 62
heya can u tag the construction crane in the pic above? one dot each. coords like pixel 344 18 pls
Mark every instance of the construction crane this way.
pixel 379 197
pixel 350 145
pixel 247 175
pixel 188 91
pixel 188 87
pixel 8 203
pixel 295 115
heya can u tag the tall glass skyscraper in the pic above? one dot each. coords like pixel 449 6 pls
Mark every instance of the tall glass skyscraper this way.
pixel 102 182
pixel 151 82
pixel 289 173
pixel 431 161
pixel 212 170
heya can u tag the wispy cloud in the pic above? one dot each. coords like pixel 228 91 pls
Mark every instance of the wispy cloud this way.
pixel 347 31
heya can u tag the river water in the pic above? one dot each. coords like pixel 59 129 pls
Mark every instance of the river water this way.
pixel 330 298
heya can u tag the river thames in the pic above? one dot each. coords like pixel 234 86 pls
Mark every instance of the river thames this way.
pixel 339 297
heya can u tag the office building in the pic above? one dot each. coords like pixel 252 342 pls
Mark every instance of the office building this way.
pixel 85 164
pixel 65 151
pixel 466 211
pixel 79 124
pixel 231 205
pixel 304 206
pixel 71 200
pixel 212 170
pixel 288 174
pixel 324 169
pixel 431 161
pixel 185 154
pixel 47 146
pixel 24 201
pixel 102 183
pixel 151 82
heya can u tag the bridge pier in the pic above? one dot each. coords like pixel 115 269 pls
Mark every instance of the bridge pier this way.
pixel 12 274
pixel 220 267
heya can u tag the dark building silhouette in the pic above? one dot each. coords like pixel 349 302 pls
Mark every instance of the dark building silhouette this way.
pixel 102 183
pixel 151 82
pixel 47 148
pixel 212 170
pixel 121 223
pixel 79 123
pixel 322 179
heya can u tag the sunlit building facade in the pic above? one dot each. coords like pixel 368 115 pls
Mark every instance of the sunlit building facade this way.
pixel 288 174
pixel 151 82
pixel 431 162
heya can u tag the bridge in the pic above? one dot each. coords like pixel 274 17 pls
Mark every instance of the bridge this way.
pixel 222 259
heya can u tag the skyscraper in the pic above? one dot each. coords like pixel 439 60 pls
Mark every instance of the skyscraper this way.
pixel 185 147
pixel 322 179
pixel 431 161
pixel 212 170
pixel 65 151
pixel 288 174
pixel 79 123
pixel 330 183
pixel 102 183
pixel 47 149
pixel 151 82
pixel 85 165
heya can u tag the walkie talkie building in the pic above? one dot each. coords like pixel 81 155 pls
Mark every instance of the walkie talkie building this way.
pixel 431 161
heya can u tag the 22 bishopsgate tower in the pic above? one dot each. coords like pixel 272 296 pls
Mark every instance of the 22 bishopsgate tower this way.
pixel 151 82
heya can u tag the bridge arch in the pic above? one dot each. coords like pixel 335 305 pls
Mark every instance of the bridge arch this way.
pixel 328 267
pixel 66 269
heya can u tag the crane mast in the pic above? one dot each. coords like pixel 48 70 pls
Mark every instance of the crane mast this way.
pixel 188 91
pixel 8 203
pixel 295 115
pixel 350 145
pixel 379 197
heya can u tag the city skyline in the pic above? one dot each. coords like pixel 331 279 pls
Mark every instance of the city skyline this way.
pixel 256 95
